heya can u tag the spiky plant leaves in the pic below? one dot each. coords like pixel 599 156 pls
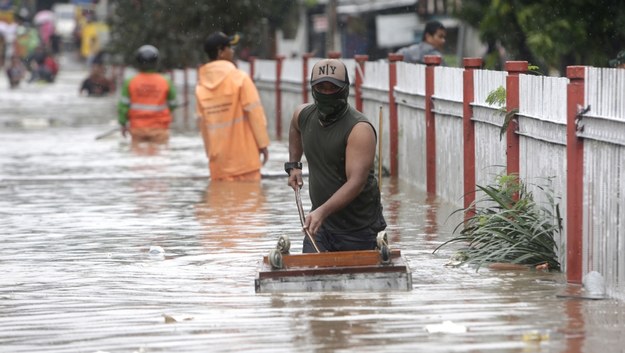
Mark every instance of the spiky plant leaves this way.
pixel 509 226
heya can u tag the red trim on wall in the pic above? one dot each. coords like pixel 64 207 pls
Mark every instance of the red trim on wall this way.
pixel 468 127
pixel 574 176
pixel 305 75
pixel 393 125
pixel 360 62
pixel 279 60
pixel 430 123
pixel 514 68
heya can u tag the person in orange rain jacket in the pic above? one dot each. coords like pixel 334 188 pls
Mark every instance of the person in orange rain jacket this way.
pixel 230 115
pixel 147 101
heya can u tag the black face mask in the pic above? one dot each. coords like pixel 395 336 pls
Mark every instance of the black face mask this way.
pixel 331 106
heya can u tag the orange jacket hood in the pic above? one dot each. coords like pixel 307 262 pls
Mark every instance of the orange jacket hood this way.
pixel 213 74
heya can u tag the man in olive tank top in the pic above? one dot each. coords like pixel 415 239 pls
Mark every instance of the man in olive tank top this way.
pixel 339 144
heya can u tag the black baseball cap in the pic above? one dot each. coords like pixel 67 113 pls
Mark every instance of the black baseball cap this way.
pixel 219 40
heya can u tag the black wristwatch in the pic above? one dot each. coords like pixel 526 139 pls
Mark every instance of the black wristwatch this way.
pixel 290 165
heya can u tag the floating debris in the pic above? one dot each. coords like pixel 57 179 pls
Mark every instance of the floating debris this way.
pixel 156 253
pixel 170 319
pixel 446 327
pixel 535 336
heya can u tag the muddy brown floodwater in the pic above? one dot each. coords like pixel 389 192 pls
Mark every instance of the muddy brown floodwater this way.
pixel 78 218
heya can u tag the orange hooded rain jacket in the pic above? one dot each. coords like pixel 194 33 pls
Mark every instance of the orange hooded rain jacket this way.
pixel 231 119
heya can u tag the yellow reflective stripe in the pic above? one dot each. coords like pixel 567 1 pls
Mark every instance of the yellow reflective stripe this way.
pixel 251 106
pixel 215 126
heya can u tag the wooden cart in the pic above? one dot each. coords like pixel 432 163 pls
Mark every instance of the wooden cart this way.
pixel 334 271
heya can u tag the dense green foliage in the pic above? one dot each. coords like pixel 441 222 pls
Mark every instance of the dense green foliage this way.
pixel 552 34
pixel 179 28
pixel 510 227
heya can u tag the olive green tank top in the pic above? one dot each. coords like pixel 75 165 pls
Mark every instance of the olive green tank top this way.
pixel 324 148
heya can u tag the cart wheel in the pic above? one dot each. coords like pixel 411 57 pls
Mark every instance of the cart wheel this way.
pixel 382 239
pixel 385 254
pixel 275 259
pixel 284 244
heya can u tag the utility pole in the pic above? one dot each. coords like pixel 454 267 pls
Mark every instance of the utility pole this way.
pixel 332 24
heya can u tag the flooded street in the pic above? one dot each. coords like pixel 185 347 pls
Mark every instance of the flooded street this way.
pixel 110 248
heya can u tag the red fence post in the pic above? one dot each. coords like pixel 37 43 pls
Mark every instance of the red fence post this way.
pixel 392 109
pixel 470 64
pixel 252 60
pixel 359 78
pixel 334 55
pixel 197 75
pixel 514 68
pixel 186 97
pixel 305 74
pixel 279 60
pixel 430 124
pixel 574 175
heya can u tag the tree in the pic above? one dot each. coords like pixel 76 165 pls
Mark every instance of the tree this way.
pixel 179 28
pixel 551 34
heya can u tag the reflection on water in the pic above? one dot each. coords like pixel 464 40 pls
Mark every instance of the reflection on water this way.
pixel 143 148
pixel 79 218
pixel 324 324
pixel 574 330
pixel 231 213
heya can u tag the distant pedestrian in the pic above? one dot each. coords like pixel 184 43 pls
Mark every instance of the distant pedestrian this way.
pixel 96 84
pixel 230 114
pixel 3 46
pixel 619 61
pixel 147 100
pixel 43 66
pixel 16 71
pixel 432 43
